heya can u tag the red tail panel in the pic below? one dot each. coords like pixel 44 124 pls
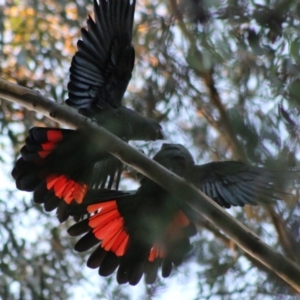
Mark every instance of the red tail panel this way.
pixel 180 219
pixel 173 233
pixel 158 250
pixel 120 244
pixel 108 227
pixel 66 189
pixel 99 220
pixel 106 206
pixel 53 137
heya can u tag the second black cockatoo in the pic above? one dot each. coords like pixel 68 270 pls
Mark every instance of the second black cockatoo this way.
pixel 139 231
pixel 60 164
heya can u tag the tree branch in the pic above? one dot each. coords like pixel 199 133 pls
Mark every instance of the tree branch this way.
pixel 285 237
pixel 241 235
pixel 229 243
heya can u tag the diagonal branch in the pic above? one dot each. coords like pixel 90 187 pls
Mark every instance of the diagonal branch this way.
pixel 199 202
pixel 284 235
pixel 229 243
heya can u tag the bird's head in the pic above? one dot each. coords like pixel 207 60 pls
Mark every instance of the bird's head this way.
pixel 175 157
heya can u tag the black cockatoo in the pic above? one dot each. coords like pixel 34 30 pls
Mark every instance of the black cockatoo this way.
pixel 60 164
pixel 139 231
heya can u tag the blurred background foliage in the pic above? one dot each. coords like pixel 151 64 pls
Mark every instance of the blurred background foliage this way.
pixel 222 76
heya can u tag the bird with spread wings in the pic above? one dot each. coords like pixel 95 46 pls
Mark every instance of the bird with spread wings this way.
pixel 137 232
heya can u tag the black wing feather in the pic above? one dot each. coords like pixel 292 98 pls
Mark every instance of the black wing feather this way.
pixel 102 66
pixel 235 183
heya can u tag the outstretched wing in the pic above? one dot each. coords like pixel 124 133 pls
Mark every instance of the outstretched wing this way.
pixel 235 183
pixel 102 66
